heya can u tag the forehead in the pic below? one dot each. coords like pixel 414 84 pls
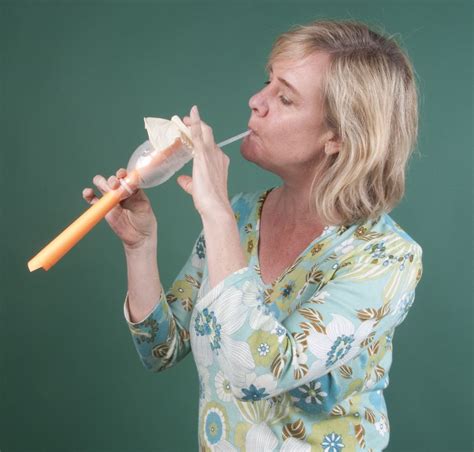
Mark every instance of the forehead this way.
pixel 305 74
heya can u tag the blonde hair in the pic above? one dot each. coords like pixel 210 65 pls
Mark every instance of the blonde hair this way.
pixel 371 103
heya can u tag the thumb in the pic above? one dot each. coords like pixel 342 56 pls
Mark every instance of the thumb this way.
pixel 186 183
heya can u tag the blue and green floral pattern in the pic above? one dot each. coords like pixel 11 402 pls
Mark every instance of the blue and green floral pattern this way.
pixel 299 364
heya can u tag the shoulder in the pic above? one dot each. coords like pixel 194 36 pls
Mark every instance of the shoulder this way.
pixel 384 242
pixel 390 227
pixel 378 255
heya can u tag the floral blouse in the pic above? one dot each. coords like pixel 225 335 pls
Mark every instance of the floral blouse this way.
pixel 299 364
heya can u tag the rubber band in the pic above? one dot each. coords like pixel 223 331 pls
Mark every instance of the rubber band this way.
pixel 126 186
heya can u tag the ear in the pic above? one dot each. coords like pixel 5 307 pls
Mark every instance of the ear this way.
pixel 332 147
pixel 332 143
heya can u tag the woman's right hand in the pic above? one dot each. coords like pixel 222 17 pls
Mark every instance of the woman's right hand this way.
pixel 132 219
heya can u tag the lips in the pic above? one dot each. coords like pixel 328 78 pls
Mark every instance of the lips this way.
pixel 253 137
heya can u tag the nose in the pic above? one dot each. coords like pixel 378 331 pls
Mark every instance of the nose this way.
pixel 258 103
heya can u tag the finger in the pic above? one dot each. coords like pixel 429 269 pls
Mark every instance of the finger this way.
pixel 196 132
pixel 208 135
pixel 187 120
pixel 122 172
pixel 100 182
pixel 89 195
pixel 113 182
pixel 186 183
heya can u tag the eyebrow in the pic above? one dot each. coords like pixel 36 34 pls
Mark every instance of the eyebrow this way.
pixel 287 84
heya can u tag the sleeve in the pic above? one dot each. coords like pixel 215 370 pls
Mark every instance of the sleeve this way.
pixel 262 357
pixel 162 337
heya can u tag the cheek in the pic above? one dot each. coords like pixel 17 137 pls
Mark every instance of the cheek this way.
pixel 293 136
pixel 289 139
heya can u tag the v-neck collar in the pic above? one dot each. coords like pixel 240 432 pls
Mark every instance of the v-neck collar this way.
pixel 257 214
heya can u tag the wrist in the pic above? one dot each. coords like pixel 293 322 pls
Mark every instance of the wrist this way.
pixel 219 215
pixel 145 247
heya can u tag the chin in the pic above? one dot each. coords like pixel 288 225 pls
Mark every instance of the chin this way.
pixel 250 154
pixel 247 151
pixel 253 151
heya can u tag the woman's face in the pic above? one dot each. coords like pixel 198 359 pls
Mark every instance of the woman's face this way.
pixel 288 134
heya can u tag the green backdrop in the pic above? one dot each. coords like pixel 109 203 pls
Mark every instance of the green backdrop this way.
pixel 76 81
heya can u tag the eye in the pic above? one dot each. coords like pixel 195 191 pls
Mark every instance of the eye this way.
pixel 283 99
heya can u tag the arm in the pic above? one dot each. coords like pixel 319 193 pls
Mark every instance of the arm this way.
pixel 208 187
pixel 263 357
pixel 224 250
pixel 161 338
pixel 144 286
pixel 160 329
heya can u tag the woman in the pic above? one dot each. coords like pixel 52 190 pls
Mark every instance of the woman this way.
pixel 290 297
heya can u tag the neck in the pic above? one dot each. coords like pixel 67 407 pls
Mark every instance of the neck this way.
pixel 291 203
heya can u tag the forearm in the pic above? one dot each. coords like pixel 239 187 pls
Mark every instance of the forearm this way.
pixel 224 252
pixel 144 286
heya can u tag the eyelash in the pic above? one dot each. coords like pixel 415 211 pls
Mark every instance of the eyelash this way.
pixel 283 99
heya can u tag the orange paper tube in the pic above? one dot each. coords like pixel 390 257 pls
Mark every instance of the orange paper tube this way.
pixel 56 249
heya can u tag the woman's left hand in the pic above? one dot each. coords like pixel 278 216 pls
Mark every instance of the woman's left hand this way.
pixel 208 185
